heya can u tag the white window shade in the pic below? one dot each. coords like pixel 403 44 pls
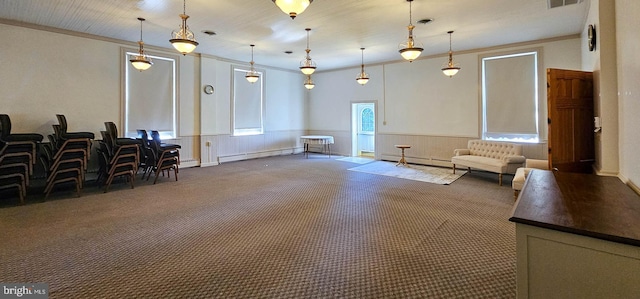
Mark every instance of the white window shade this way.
pixel 151 98
pixel 247 104
pixel 510 99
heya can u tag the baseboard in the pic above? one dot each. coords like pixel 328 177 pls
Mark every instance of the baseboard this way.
pixel 262 154
pixel 189 163
pixel 629 183
pixel 209 164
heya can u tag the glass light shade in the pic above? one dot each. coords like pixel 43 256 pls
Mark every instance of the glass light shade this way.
pixel 252 76
pixel 307 66
pixel 184 46
pixel 292 7
pixel 308 83
pixel 450 70
pixel 141 63
pixel 308 70
pixel 410 54
pixel 362 78
pixel 183 39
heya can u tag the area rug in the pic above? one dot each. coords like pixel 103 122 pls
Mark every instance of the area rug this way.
pixel 358 160
pixel 429 174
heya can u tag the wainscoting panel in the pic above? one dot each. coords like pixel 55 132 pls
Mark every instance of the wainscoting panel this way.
pixel 190 151
pixel 217 149
pixel 342 139
pixel 437 150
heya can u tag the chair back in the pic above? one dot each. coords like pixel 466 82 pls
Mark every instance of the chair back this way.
pixel 5 126
pixel 62 121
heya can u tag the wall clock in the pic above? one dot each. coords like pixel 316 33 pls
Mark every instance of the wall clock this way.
pixel 208 89
pixel 591 35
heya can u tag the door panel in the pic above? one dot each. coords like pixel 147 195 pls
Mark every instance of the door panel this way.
pixel 570 105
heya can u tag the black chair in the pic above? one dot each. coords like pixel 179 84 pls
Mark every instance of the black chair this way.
pixel 16 147
pixel 15 176
pixel 17 157
pixel 117 161
pixel 66 156
pixel 147 156
pixel 62 122
pixel 66 165
pixel 167 156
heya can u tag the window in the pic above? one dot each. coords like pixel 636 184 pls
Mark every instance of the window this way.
pixel 510 97
pixel 150 97
pixel 367 121
pixel 248 104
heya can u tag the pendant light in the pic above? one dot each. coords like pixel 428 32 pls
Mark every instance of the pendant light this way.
pixel 307 66
pixel 362 78
pixel 183 39
pixel 308 83
pixel 252 76
pixel 292 7
pixel 410 50
pixel 450 68
pixel 141 61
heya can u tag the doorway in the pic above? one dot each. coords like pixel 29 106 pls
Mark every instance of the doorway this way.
pixel 363 129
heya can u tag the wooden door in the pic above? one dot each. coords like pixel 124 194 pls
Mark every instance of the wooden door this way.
pixel 570 108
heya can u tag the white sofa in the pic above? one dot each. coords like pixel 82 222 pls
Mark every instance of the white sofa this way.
pixel 493 156
pixel 521 173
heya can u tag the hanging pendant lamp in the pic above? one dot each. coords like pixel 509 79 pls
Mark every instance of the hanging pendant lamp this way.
pixel 308 83
pixel 141 61
pixel 252 76
pixel 363 77
pixel 410 50
pixel 307 66
pixel 292 7
pixel 450 68
pixel 183 39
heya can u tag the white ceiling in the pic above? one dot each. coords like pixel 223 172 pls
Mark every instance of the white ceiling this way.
pixel 339 27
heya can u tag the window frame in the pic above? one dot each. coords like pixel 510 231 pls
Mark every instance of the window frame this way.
pixel 237 70
pixel 125 115
pixel 539 102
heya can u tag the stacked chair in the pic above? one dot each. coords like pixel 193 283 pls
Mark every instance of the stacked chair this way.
pixel 17 157
pixel 166 156
pixel 118 157
pixel 66 156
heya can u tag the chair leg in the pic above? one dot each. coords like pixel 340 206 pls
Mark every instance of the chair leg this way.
pixel 515 194
pixel 454 169
pixel 175 172
pixel 500 179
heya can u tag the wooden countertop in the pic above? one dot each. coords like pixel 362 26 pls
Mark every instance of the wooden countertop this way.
pixel 583 204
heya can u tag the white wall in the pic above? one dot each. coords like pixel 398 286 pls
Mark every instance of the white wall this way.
pixel 603 63
pixel 416 99
pixel 628 43
pixel 47 72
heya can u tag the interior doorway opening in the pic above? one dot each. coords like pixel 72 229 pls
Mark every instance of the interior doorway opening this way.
pixel 363 129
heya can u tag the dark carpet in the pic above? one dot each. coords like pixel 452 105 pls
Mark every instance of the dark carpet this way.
pixel 281 227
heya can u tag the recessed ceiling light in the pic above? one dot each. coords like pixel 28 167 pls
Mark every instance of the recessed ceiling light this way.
pixel 209 32
pixel 425 21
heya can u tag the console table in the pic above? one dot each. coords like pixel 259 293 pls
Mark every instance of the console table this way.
pixel 577 236
pixel 325 141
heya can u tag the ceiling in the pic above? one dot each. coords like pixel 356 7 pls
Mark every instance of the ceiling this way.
pixel 339 27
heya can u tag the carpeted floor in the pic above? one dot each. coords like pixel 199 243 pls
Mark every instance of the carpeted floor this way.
pixel 281 227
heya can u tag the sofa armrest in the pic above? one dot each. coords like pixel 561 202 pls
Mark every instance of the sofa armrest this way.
pixel 510 159
pixel 461 152
pixel 535 163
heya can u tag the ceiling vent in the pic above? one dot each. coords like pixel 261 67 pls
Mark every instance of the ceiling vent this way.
pixel 560 3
